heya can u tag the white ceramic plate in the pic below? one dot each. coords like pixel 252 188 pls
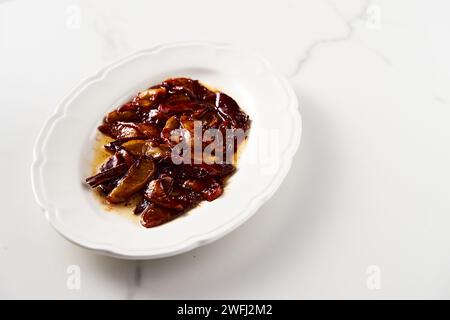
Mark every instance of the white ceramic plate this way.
pixel 64 150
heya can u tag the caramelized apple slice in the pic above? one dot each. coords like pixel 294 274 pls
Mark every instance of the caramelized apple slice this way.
pixel 209 188
pixel 148 98
pixel 135 147
pixel 178 108
pixel 115 116
pixel 117 144
pixel 134 180
pixel 229 110
pixel 156 150
pixel 121 130
pixel 193 88
pixel 171 124
pixel 158 191
pixel 153 216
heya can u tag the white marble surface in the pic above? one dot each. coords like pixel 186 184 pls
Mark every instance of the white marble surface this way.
pixel 369 186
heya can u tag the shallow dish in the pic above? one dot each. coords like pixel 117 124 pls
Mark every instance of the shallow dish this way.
pixel 64 149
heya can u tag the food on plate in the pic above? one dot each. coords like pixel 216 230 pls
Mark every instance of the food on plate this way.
pixel 173 146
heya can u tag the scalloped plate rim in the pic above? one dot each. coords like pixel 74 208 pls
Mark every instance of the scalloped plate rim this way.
pixel 193 241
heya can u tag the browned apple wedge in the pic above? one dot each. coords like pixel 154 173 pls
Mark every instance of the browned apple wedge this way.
pixel 158 191
pixel 153 216
pixel 116 115
pixel 134 180
pixel 129 130
pixel 209 188
pixel 156 150
pixel 134 147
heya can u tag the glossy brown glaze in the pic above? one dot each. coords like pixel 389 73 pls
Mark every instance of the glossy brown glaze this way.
pixel 142 161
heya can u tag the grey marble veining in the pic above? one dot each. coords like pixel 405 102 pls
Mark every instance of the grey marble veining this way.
pixel 350 26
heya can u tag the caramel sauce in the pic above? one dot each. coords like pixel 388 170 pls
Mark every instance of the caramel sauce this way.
pixel 99 157
pixel 126 209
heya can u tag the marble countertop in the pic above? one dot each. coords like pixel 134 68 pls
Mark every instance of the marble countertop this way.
pixel 365 210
